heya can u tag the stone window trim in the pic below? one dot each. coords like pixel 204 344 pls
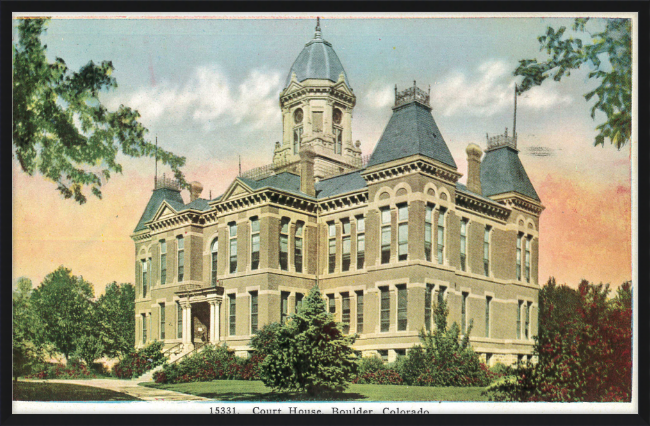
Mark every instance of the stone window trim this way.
pixel 402 228
pixel 360 237
pixel 214 260
pixel 232 265
pixel 487 250
pixel 331 247
pixel 253 295
pixel 162 256
pixel 346 245
pixel 284 233
pixel 231 323
pixel 162 318
pixel 255 237
pixel 299 242
pixel 441 227
pixel 464 241
pixel 180 258
pixel 385 239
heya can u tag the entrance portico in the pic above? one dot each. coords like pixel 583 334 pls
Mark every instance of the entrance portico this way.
pixel 195 296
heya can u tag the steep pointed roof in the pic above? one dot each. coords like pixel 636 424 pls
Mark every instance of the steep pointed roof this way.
pixel 173 197
pixel 502 172
pixel 411 130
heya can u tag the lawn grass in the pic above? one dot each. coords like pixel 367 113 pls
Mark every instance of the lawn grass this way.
pixel 38 391
pixel 242 390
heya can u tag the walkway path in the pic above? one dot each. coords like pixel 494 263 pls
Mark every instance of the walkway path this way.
pixel 131 387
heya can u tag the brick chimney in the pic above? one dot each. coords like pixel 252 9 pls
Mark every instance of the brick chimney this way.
pixel 307 180
pixel 195 190
pixel 474 154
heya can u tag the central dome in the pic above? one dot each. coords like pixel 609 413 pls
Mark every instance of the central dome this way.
pixel 317 60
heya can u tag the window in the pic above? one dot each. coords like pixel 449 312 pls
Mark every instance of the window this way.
pixel 338 143
pixel 253 312
pixel 162 321
pixel 346 245
pixel 345 312
pixel 299 297
pixel 402 307
pixel 149 274
pixel 428 227
pixel 332 303
pixel 441 236
pixel 255 243
pixel 428 293
pixel 359 311
pixel 180 241
pixel 144 328
pixel 284 302
pixel 527 260
pixel 297 249
pixel 232 234
pixel 402 232
pixel 488 301
pixel 400 352
pixel 463 310
pixel 144 278
pixel 297 139
pixel 463 244
pixel 519 306
pixel 163 262
pixel 486 251
pixel 385 309
pixel 179 321
pixel 232 314
pixel 215 257
pixel 361 242
pixel 332 247
pixel 527 324
pixel 519 238
pixel 441 294
pixel 385 235
pixel 284 243
pixel 383 353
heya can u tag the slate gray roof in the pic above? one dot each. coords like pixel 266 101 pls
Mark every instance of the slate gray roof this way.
pixel 502 171
pixel 317 60
pixel 288 182
pixel 341 184
pixel 200 204
pixel 411 130
pixel 462 188
pixel 159 195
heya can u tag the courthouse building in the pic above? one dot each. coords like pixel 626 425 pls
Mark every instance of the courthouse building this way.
pixel 383 237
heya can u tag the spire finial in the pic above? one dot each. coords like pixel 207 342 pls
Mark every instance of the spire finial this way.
pixel 317 35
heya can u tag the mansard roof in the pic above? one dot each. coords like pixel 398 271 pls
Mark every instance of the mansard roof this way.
pixel 502 172
pixel 171 196
pixel 340 184
pixel 285 181
pixel 411 130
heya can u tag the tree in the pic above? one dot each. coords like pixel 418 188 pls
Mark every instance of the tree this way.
pixel 63 305
pixel 614 94
pixel 116 319
pixel 61 129
pixel 89 348
pixel 310 352
pixel 26 350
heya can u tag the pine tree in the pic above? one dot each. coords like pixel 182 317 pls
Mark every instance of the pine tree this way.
pixel 310 353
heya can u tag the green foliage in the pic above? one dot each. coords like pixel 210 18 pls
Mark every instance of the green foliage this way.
pixel 263 339
pixel 27 350
pixel 89 348
pixel 63 307
pixel 373 371
pixel 136 363
pixel 583 356
pixel 61 129
pixel 74 369
pixel 116 319
pixel 614 94
pixel 310 352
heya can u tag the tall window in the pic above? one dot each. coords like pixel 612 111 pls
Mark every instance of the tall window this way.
pixel 338 146
pixel 441 235
pixel 345 312
pixel 519 306
pixel 332 247
pixel 332 303
pixel 150 274
pixel 232 314
pixel 179 321
pixel 346 245
pixel 441 293
pixel 463 311
pixel 385 235
pixel 527 260
pixel 255 243
pixel 297 138
pixel 385 309
pixel 144 328
pixel 232 235
pixel 361 242
pixel 284 243
pixel 145 276
pixel 402 232
pixel 402 307
pixel 519 238
pixel 284 306
pixel 488 301
pixel 297 247
pixel 463 244
pixel 299 297
pixel 253 312
pixel 181 257
pixel 527 323
pixel 486 251
pixel 163 262
pixel 428 293
pixel 360 311
pixel 428 230
pixel 162 321
pixel 214 248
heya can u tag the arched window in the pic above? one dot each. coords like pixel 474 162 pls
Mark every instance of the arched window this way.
pixel 214 249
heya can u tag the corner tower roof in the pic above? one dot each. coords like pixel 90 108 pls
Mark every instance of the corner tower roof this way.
pixel 318 61
pixel 502 172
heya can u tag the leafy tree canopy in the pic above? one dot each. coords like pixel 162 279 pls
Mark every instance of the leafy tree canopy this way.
pixel 609 55
pixel 61 129
pixel 116 319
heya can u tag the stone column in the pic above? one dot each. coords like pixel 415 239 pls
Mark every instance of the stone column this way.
pixel 212 321
pixel 217 325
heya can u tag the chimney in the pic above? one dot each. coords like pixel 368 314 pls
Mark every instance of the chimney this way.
pixel 307 155
pixel 195 190
pixel 474 154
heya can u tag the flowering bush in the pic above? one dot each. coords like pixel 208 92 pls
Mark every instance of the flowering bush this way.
pixel 140 361
pixel 387 376
pixel 75 369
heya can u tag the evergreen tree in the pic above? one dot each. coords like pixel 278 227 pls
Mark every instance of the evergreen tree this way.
pixel 310 352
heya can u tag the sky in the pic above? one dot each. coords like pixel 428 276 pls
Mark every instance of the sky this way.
pixel 208 89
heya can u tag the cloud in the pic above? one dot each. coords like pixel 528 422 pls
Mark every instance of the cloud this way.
pixel 380 97
pixel 489 90
pixel 209 99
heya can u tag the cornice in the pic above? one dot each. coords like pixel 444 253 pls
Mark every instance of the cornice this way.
pixel 352 199
pixel 382 172
pixel 473 203
pixel 318 90
pixel 520 202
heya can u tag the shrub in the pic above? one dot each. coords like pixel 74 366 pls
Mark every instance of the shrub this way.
pixel 74 369
pixel 386 376
pixel 138 362
pixel 370 364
